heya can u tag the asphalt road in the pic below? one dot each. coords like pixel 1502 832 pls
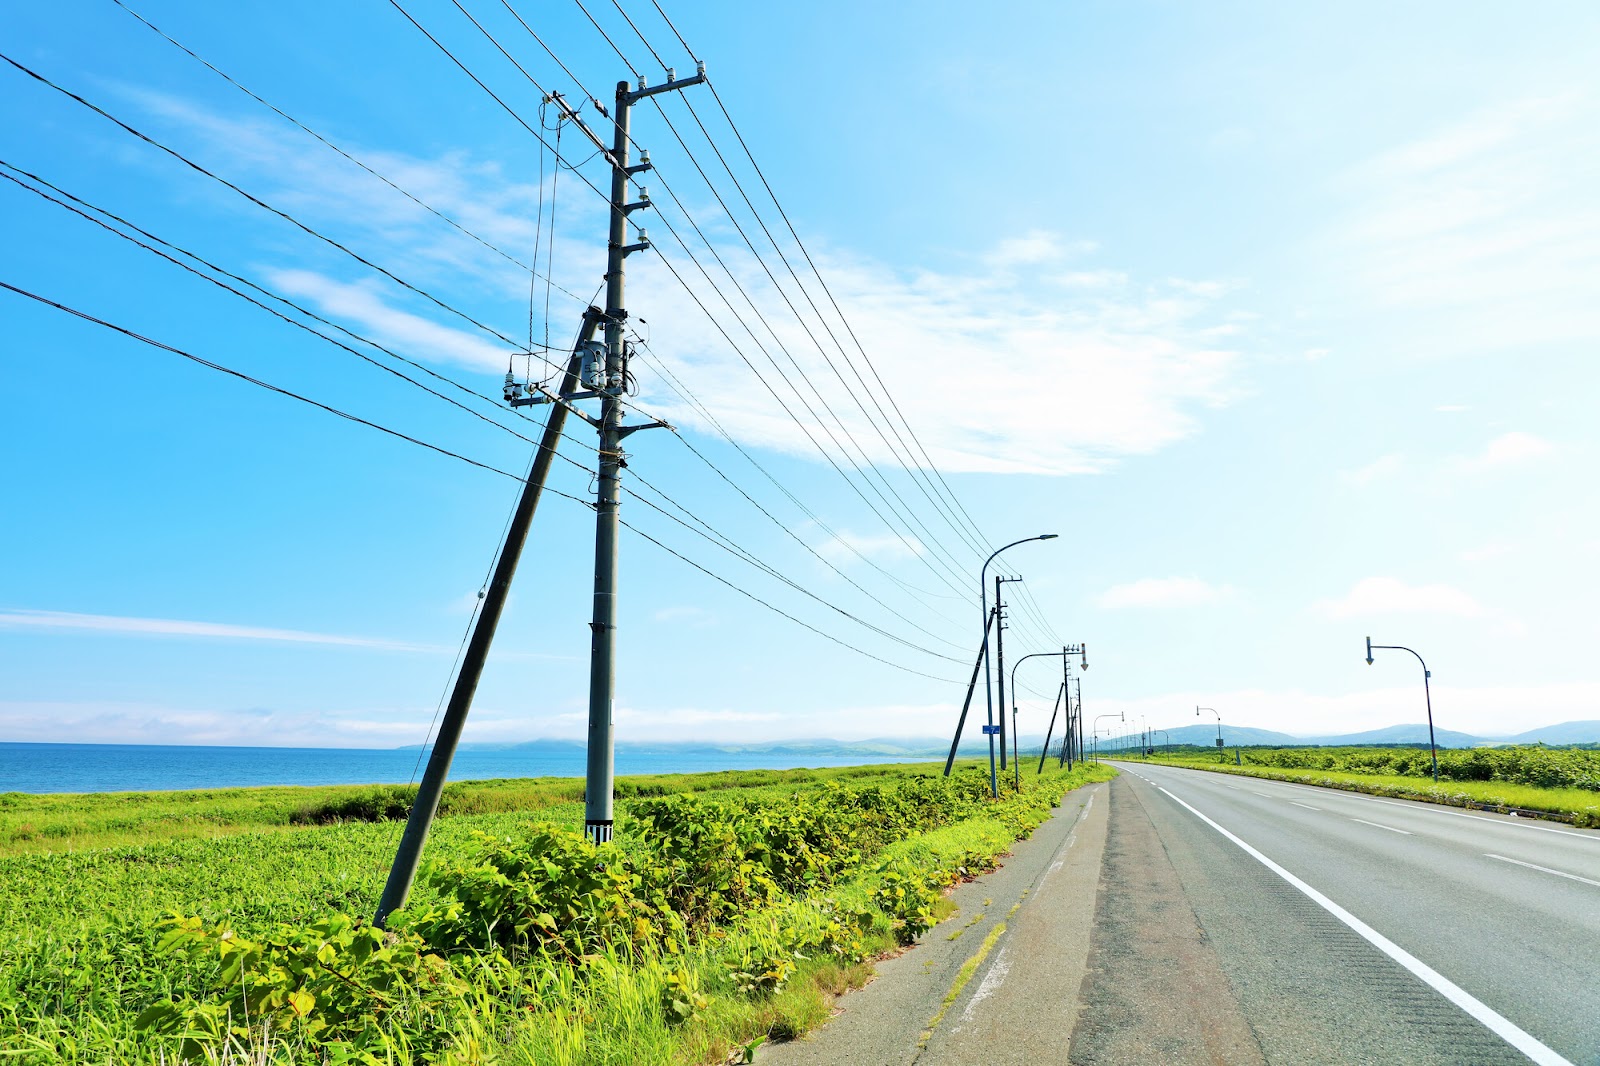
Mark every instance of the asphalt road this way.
pixel 1188 917
pixel 1492 923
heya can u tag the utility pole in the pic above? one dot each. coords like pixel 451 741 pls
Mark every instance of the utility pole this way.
pixel 1000 658
pixel 611 384
pixel 1066 687
pixel 404 869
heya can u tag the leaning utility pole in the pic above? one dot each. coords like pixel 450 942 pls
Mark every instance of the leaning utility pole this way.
pixel 426 805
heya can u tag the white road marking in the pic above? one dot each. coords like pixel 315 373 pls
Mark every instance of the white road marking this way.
pixel 1421 805
pixel 1375 825
pixel 1482 1012
pixel 1543 869
pixel 1307 806
pixel 991 982
pixel 1253 792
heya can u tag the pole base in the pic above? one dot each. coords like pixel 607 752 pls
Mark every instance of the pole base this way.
pixel 598 832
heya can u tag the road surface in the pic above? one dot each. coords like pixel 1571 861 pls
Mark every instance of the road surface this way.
pixel 1178 916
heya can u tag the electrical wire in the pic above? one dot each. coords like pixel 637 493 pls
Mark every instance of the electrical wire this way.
pixel 909 468
pixel 621 55
pixel 270 295
pixel 261 384
pixel 185 160
pixel 678 388
pixel 740 552
pixel 786 614
pixel 801 245
pixel 329 144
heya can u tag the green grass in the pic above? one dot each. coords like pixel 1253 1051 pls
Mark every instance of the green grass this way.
pixel 78 930
pixel 40 823
pixel 1577 805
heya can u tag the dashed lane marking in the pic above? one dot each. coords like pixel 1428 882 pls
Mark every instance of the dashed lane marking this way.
pixel 1544 869
pixel 1390 828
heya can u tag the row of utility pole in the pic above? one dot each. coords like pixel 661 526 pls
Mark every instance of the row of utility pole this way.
pixel 596 370
pixel 995 726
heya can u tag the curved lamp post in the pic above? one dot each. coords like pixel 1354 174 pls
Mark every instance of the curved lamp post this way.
pixel 1427 696
pixel 1118 716
pixel 1197 711
pixel 1065 653
pixel 988 685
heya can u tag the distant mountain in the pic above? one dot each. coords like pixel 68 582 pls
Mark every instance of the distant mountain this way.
pixel 1399 734
pixel 1560 733
pixel 1206 736
pixel 974 744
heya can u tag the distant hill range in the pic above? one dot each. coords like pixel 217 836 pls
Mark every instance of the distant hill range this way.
pixel 897 748
pixel 1587 732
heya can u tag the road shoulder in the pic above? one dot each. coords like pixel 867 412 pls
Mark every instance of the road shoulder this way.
pixel 907 1013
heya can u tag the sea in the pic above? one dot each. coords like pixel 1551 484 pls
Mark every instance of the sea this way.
pixel 151 767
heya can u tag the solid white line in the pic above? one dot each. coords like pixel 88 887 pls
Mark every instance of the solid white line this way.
pixel 1375 825
pixel 1491 1019
pixel 1307 806
pixel 1411 805
pixel 1544 869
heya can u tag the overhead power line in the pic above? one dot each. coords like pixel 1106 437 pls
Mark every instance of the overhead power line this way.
pixel 334 147
pixel 152 342
pixel 186 161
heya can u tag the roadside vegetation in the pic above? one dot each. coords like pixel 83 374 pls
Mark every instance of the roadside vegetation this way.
pixel 731 909
pixel 1562 783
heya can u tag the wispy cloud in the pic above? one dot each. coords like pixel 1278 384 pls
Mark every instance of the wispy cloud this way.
pixel 848 547
pixel 1162 592
pixel 1111 366
pixel 1386 595
pixel 1508 449
pixel 1382 467
pixel 1491 217
pixel 170 627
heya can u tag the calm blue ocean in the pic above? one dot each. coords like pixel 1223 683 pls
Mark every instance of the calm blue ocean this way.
pixel 140 767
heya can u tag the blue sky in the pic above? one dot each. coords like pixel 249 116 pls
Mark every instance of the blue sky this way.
pixel 1283 318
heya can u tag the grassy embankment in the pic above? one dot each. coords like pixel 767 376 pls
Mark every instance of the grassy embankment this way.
pixel 1560 783
pixel 723 918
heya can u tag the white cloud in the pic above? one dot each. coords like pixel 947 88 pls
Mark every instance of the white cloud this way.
pixel 1387 595
pixel 1492 218
pixel 1452 408
pixel 1384 466
pixel 1162 592
pixel 362 306
pixel 1509 449
pixel 169 627
pixel 1106 367
pixel 847 547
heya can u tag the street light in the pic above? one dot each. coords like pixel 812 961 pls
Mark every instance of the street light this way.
pixel 988 684
pixel 1081 650
pixel 1427 696
pixel 1197 711
pixel 1119 717
pixel 1164 733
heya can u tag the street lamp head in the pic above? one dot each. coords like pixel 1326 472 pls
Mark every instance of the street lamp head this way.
pixel 1048 536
